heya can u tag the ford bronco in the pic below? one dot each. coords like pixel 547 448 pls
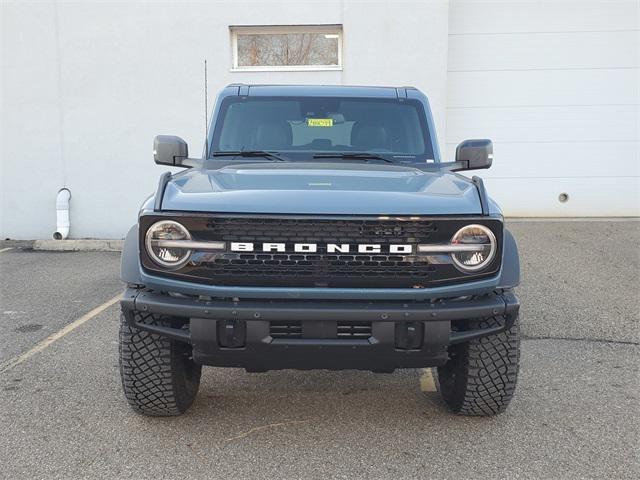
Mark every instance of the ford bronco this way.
pixel 320 229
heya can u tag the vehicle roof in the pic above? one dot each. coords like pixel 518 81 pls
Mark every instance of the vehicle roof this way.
pixel 320 90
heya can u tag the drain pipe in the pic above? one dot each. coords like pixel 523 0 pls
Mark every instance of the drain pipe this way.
pixel 62 213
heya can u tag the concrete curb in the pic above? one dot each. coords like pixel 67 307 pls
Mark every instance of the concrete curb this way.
pixel 79 245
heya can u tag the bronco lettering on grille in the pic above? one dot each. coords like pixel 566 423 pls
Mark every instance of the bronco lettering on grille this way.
pixel 401 249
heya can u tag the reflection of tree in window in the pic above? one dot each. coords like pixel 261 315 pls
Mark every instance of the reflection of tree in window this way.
pixel 287 49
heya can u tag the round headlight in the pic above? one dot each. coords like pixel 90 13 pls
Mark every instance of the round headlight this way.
pixel 159 245
pixel 474 259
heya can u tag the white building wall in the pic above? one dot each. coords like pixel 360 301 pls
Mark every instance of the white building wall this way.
pixel 87 85
pixel 555 84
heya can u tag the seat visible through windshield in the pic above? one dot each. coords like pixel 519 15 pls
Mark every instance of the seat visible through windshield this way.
pixel 322 124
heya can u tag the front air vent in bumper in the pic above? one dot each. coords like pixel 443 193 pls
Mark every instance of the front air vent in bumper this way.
pixel 285 329
pixel 342 331
pixel 353 330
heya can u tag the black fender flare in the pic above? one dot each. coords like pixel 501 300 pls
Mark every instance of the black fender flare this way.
pixel 130 259
pixel 510 275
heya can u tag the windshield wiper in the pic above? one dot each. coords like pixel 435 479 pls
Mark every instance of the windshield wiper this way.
pixel 250 153
pixel 355 156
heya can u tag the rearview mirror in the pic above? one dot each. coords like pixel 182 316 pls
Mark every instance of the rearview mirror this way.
pixel 474 155
pixel 170 150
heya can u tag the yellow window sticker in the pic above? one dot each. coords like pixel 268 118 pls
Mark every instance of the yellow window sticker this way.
pixel 320 122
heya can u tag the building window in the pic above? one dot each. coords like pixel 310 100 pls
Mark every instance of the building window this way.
pixel 313 47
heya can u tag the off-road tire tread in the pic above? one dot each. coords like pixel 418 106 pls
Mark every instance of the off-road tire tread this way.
pixel 157 378
pixel 486 371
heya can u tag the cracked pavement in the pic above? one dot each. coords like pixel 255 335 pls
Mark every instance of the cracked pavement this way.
pixel 575 413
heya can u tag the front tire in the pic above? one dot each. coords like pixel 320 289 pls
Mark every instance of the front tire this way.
pixel 159 377
pixel 480 377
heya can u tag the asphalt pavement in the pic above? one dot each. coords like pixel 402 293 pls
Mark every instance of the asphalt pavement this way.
pixel 575 413
pixel 41 292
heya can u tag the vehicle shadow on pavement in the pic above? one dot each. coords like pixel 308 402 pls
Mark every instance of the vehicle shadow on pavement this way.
pixel 316 392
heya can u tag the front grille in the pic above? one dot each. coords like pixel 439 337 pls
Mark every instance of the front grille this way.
pixel 243 229
pixel 274 265
pixel 322 268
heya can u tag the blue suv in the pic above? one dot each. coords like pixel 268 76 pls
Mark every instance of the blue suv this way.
pixel 320 229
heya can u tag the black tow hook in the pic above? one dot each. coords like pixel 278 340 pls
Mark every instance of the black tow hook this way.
pixel 409 335
pixel 232 333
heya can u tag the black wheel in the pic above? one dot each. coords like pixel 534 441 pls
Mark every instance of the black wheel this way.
pixel 159 377
pixel 480 376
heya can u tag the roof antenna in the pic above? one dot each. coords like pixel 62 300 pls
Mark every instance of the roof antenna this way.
pixel 206 113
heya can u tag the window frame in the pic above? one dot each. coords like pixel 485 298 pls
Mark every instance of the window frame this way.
pixel 235 30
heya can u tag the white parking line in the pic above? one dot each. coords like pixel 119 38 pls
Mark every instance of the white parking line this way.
pixel 6 249
pixel 427 382
pixel 17 360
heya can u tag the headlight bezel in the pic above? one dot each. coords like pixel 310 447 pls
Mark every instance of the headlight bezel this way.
pixel 159 261
pixel 490 257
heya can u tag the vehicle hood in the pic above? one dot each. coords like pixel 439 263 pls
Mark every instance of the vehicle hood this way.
pixel 321 188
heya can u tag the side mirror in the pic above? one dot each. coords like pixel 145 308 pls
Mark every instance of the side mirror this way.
pixel 474 155
pixel 170 150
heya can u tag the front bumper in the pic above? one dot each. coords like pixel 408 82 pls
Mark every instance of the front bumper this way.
pixel 402 334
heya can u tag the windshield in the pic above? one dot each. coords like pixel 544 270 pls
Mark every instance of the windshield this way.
pixel 303 126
